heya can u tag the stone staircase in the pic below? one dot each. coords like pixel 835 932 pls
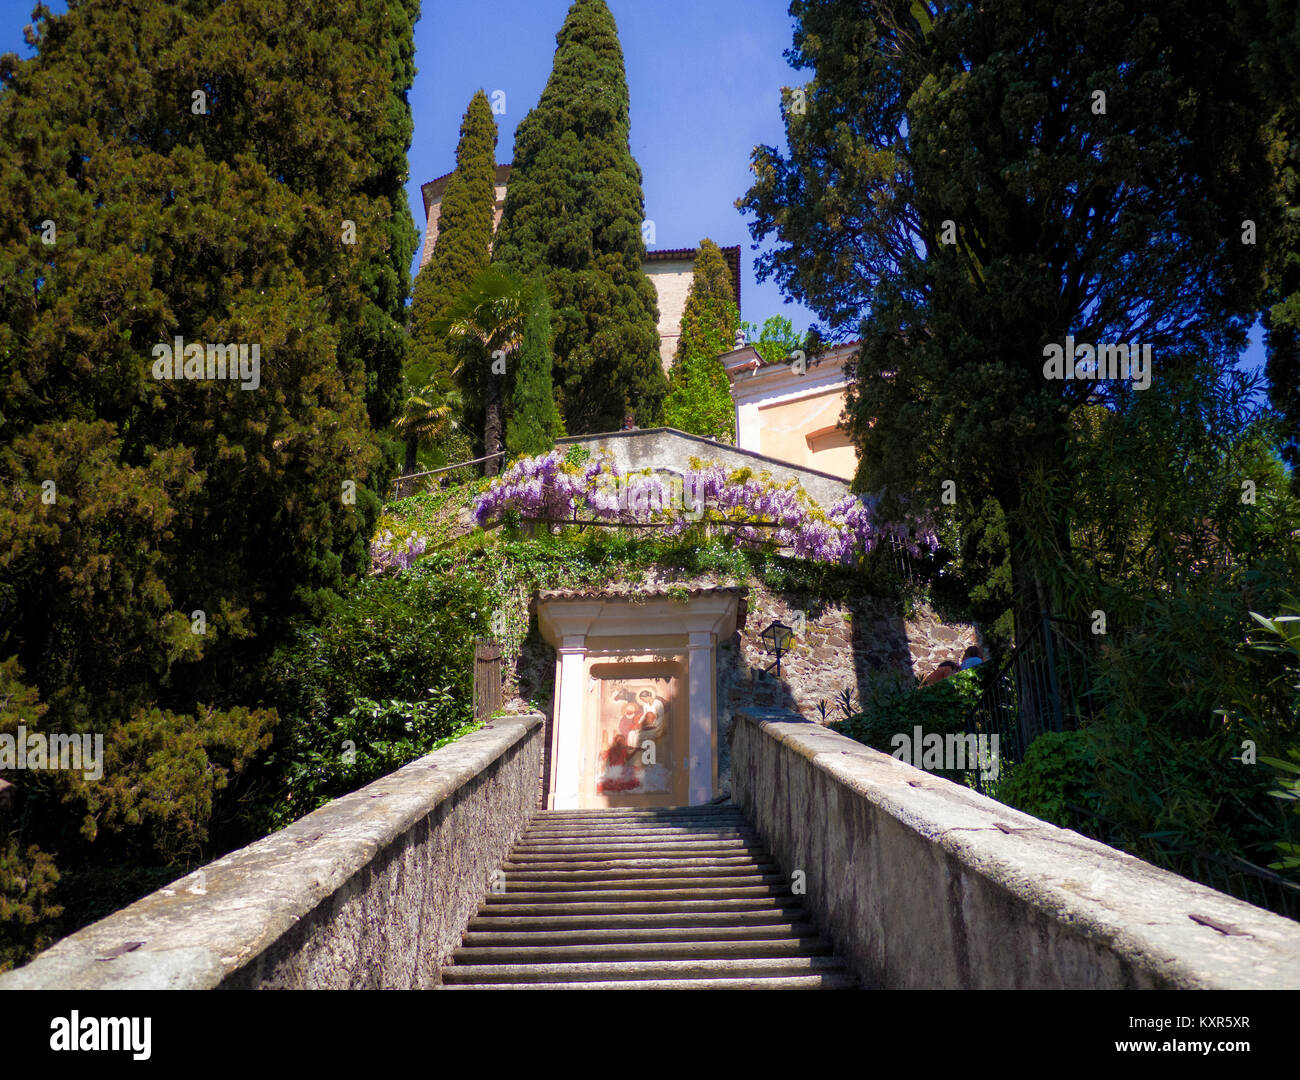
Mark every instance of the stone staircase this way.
pixel 680 898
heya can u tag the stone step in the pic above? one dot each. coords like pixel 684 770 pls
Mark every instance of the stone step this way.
pixel 531 863
pixel 730 892
pixel 499 907
pixel 642 969
pixel 623 813
pixel 651 850
pixel 667 931
pixel 828 981
pixel 635 836
pixel 598 918
pixel 753 873
pixel 549 818
pixel 611 952
pixel 674 898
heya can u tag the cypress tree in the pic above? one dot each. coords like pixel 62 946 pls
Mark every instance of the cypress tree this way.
pixel 699 395
pixel 386 31
pixel 1272 34
pixel 533 422
pixel 573 215
pixel 462 248
pixel 995 233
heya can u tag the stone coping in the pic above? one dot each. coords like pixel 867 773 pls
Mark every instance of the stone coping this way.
pixel 210 923
pixel 640 433
pixel 1173 930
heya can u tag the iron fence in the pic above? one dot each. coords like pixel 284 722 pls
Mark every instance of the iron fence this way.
pixel 1043 685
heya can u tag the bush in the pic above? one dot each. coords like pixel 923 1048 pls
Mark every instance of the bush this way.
pixel 1055 781
pixel 1183 696
pixel 387 668
pixel 27 911
pixel 895 705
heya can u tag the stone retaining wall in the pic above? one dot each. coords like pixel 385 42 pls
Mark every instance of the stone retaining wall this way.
pixel 372 891
pixel 925 884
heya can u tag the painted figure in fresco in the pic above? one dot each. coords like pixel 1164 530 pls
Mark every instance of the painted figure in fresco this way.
pixel 641 717
pixel 654 717
pixel 620 763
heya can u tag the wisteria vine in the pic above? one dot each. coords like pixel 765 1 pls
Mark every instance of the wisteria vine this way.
pixel 386 555
pixel 760 513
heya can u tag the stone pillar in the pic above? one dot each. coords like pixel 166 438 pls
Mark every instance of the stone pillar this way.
pixel 700 705
pixel 570 697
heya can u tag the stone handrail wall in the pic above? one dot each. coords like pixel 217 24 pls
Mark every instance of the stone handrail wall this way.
pixel 923 883
pixel 669 448
pixel 370 891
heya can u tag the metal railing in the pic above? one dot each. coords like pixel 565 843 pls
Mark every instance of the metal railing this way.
pixel 404 486
pixel 1043 685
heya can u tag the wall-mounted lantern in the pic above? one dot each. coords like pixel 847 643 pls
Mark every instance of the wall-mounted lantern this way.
pixel 777 637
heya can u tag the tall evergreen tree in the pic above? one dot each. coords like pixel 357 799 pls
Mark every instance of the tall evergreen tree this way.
pixel 573 215
pixel 967 187
pixel 699 393
pixel 462 248
pixel 1272 33
pixel 533 424
pixel 386 30
pixel 208 173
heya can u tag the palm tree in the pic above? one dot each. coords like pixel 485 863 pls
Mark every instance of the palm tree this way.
pixel 423 419
pixel 485 322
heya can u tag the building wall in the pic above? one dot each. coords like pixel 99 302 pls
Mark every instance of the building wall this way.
pixel 792 414
pixel 672 281
pixel 798 431
pixel 844 644
pixel 671 277
pixel 435 212
pixel 666 448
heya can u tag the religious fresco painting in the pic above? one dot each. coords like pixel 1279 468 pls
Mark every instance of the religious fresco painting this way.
pixel 635 755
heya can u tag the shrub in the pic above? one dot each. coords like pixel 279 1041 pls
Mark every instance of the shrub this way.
pixel 1056 779
pixel 27 911
pixel 894 705
pixel 388 667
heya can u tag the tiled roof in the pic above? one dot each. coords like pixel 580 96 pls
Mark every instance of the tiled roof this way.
pixel 438 184
pixel 634 590
pixel 731 254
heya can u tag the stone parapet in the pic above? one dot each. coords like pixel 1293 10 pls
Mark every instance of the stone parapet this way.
pixel 926 884
pixel 371 891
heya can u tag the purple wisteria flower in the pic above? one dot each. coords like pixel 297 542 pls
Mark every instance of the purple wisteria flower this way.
pixel 760 513
pixel 384 556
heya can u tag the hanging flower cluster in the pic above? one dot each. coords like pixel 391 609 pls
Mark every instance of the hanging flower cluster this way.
pixel 758 511
pixel 385 554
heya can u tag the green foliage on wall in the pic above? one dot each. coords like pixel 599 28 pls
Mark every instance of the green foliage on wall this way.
pixel 893 704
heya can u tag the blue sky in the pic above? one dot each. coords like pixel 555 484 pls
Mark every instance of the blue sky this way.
pixel 705 79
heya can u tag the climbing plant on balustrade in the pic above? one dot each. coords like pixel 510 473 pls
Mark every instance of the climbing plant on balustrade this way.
pixel 755 511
